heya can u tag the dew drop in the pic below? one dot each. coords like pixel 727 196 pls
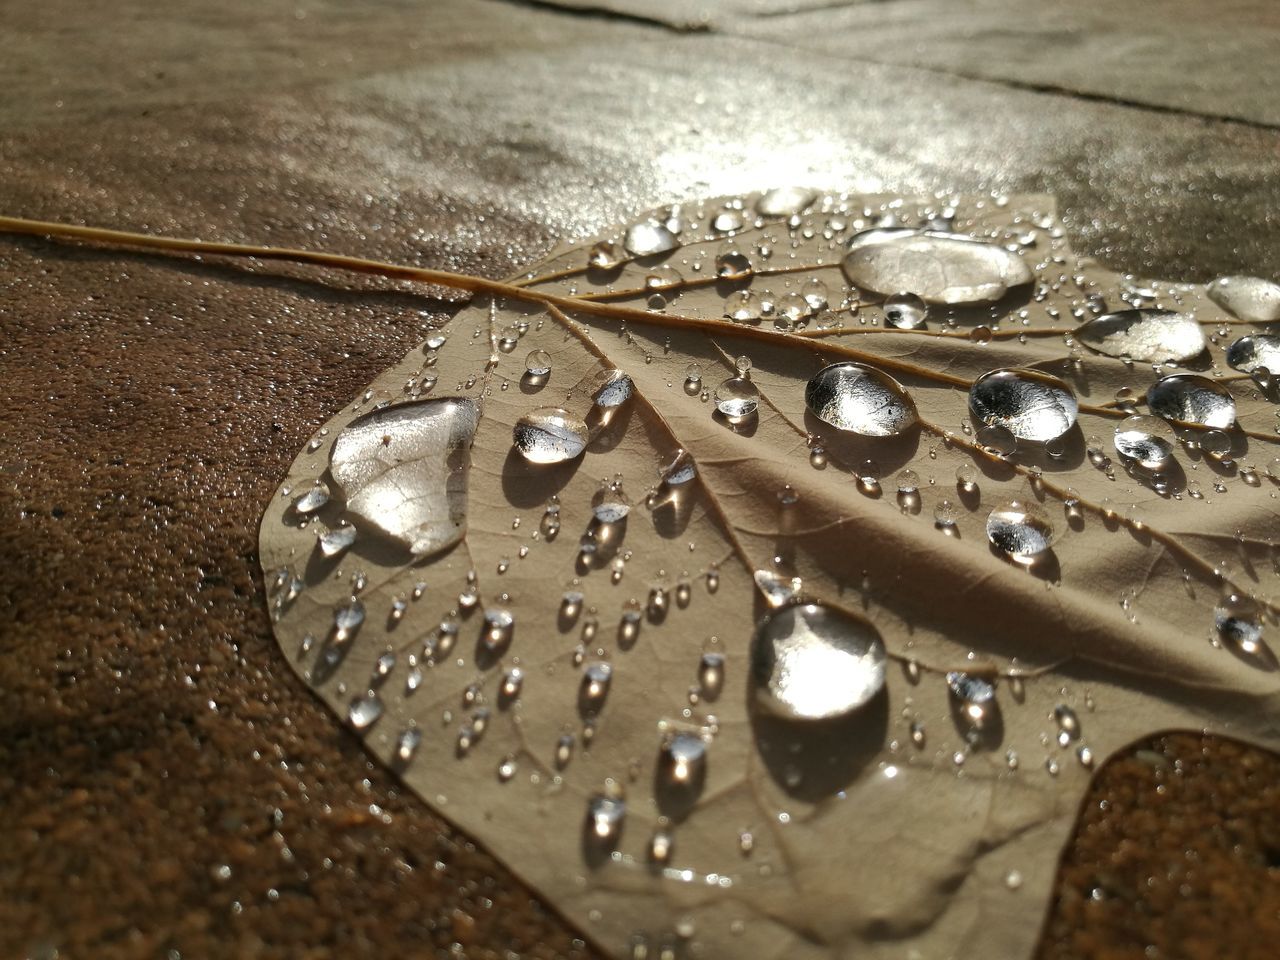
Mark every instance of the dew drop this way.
pixel 905 311
pixel 737 398
pixel 785 201
pixel 538 363
pixel 743 306
pixel 813 662
pixel 648 238
pixel 335 541
pixel 347 620
pixel 1146 440
pixel 365 710
pixel 711 675
pixel 549 435
pixel 596 679
pixel 860 399
pixel 1019 529
pixel 564 750
pixel 683 760
pixel 605 255
pixel 974 697
pixel 407 744
pixel 605 816
pixel 1192 399
pixel 661 846
pixel 315 497
pixel 1238 621
pixel 1030 404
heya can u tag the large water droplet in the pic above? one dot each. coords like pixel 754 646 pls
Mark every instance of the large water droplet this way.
pixel 1030 404
pixel 1192 399
pixel 1248 354
pixel 613 391
pixel 785 201
pixel 403 470
pixel 860 399
pixel 1152 336
pixel 1019 529
pixel 1247 298
pixel 814 662
pixel 937 267
pixel 649 237
pixel 549 435
pixel 1147 440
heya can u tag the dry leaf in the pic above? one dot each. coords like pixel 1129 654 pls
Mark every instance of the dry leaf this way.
pixel 574 683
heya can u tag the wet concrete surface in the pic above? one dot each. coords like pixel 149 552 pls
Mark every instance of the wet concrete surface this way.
pixel 167 787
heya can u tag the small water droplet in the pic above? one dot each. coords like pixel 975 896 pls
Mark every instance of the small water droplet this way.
pixel 315 497
pixel 649 237
pixel 538 364
pixel 711 675
pixel 605 816
pixel 549 435
pixel 905 311
pixel 737 398
pixel 335 541
pixel 1238 621
pixel 365 710
pixel 596 679
pixel 974 697
pixel 407 744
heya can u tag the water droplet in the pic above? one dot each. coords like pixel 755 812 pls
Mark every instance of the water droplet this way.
pixel 732 263
pixel 1192 399
pixel 605 816
pixel 1084 755
pixel 407 744
pixel 815 294
pixel 365 710
pixel 918 735
pixel 614 390
pixel 1238 620
pixel 315 497
pixel 711 675
pixel 680 471
pixel 498 626
pixel 1030 404
pixel 605 255
pixel 818 458
pixel 966 478
pixel 1246 298
pixel 860 399
pixel 596 678
pixel 1146 335
pixel 610 503
pixel 683 761
pixel 937 267
pixel 564 750
pixel 538 363
pixel 335 541
pixel 347 620
pixel 1068 723
pixel 507 768
pixel 785 201
pixel 737 398
pixel 403 470
pixel 1254 353
pixel 997 439
pixel 549 435
pixel 1013 879
pixel 974 697
pixel 648 238
pixel 1146 440
pixel 663 276
pixel 693 379
pixel 743 306
pixel 946 513
pixel 661 845
pixel 1020 529
pixel 905 311
pixel 812 662
pixel 981 334
pixel 778 590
